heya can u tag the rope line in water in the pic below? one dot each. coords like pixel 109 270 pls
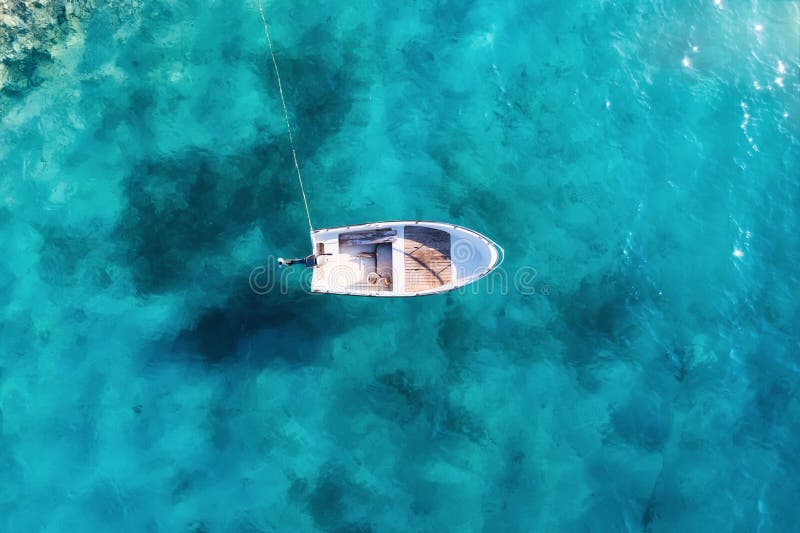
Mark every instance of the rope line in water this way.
pixel 285 114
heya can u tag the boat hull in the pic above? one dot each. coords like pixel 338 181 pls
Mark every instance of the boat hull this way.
pixel 400 258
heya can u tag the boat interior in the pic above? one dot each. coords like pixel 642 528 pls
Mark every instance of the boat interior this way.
pixel 367 256
pixel 399 258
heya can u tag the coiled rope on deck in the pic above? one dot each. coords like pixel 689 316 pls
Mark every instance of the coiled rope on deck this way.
pixel 285 114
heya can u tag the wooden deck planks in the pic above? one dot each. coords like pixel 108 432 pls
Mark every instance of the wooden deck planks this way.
pixel 427 258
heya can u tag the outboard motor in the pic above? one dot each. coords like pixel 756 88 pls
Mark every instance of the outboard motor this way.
pixel 307 261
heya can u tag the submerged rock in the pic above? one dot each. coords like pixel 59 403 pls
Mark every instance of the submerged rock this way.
pixel 699 352
pixel 28 31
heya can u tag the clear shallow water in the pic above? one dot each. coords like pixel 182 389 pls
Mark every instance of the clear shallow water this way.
pixel 649 382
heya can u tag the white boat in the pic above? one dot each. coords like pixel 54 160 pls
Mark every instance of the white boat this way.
pixel 398 258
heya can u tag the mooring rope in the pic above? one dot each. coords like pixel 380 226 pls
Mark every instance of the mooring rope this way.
pixel 285 114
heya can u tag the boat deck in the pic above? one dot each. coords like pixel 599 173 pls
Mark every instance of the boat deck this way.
pixel 427 258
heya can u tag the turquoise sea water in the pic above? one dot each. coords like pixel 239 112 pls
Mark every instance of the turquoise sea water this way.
pixel 635 370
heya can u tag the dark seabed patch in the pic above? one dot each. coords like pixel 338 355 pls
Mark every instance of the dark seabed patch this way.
pixel 644 421
pixel 322 87
pixel 186 207
pixel 336 502
pixel 257 330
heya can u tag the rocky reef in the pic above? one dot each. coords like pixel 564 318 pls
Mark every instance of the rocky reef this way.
pixel 29 29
